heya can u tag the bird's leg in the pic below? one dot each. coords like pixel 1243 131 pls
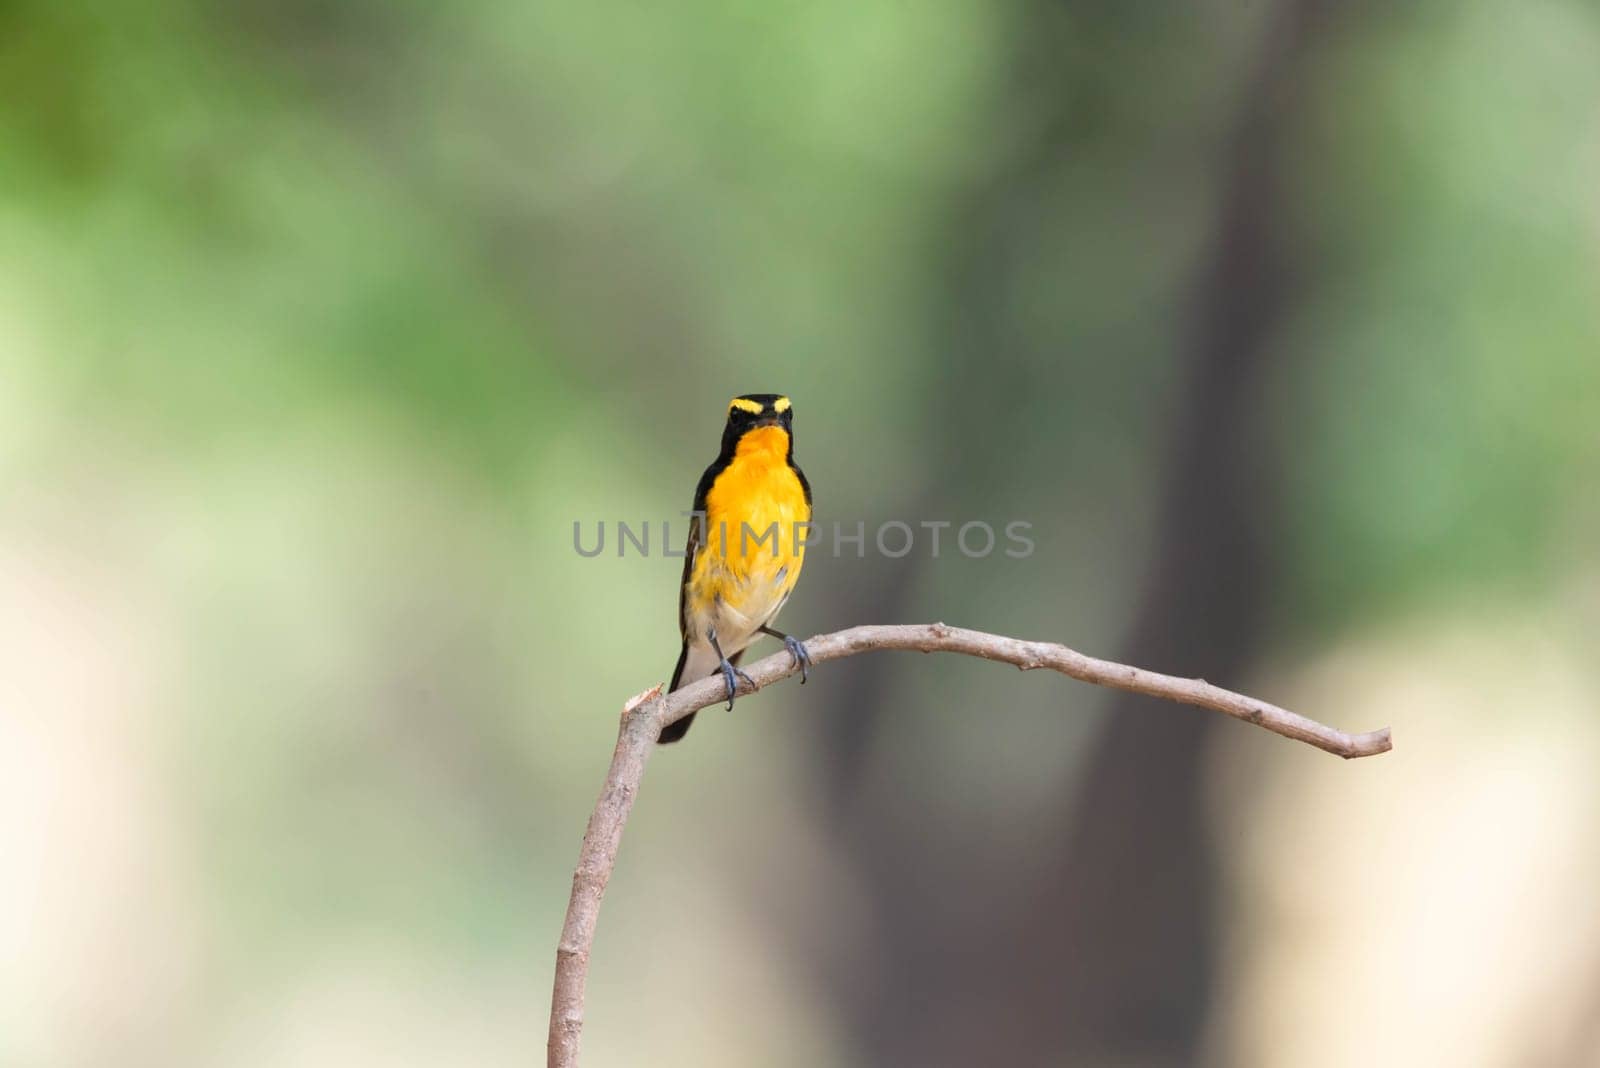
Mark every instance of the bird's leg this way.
pixel 730 674
pixel 796 647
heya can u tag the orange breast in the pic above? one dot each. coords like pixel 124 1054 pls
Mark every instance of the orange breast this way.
pixel 752 570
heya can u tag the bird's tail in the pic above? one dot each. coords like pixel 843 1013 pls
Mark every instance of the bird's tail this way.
pixel 693 665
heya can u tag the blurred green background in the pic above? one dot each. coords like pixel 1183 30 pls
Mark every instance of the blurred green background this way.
pixel 321 323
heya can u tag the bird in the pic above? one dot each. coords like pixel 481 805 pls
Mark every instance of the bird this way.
pixel 736 574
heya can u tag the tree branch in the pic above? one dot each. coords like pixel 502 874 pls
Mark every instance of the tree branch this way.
pixel 645 715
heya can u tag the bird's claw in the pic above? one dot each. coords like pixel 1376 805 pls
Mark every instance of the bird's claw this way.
pixel 797 649
pixel 730 677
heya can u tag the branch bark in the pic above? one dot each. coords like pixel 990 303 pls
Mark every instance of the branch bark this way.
pixel 646 714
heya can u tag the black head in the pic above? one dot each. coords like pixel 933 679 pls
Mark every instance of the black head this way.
pixel 756 409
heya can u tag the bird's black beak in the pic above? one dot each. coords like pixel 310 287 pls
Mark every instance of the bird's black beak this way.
pixel 768 420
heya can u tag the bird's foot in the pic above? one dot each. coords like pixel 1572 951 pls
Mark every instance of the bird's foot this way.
pixel 797 649
pixel 730 677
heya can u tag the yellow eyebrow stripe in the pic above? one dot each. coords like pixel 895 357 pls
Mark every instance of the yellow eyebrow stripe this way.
pixel 744 406
pixel 781 404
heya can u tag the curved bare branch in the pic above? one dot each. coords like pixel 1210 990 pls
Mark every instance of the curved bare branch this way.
pixel 644 716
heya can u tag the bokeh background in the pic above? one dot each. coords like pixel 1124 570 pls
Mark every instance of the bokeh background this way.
pixel 321 324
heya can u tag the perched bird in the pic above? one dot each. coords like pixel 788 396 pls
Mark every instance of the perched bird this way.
pixel 746 545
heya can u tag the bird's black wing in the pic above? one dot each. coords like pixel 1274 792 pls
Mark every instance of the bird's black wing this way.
pixel 697 540
pixel 805 486
pixel 697 523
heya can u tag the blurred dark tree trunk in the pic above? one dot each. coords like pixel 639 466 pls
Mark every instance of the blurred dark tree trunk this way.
pixel 1110 956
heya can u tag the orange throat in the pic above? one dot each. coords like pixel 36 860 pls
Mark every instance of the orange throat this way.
pixel 764 443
